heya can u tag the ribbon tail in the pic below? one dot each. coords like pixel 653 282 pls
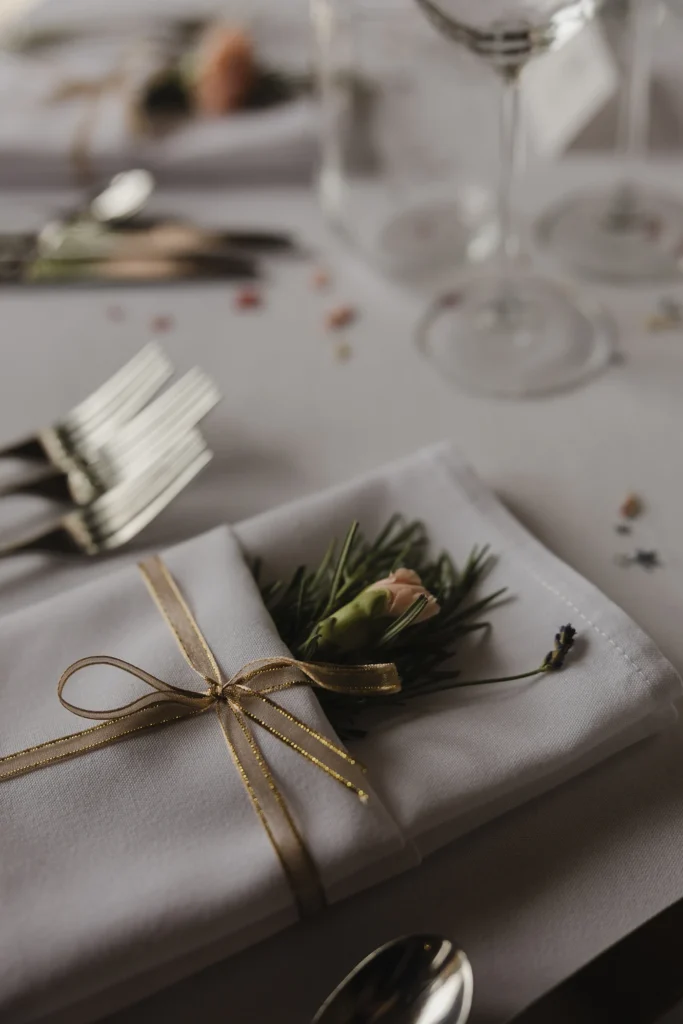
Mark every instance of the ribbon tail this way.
pixel 66 747
pixel 313 745
pixel 270 806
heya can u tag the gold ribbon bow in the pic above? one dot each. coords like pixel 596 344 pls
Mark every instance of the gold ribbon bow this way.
pixel 243 699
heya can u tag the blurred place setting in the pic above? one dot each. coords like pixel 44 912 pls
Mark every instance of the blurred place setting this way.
pixel 341 567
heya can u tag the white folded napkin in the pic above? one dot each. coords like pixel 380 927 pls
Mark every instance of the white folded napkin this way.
pixel 131 865
pixel 38 132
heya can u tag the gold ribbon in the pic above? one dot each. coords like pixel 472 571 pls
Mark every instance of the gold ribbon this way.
pixel 238 702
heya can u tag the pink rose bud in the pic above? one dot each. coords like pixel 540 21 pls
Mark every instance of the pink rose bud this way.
pixel 225 70
pixel 402 587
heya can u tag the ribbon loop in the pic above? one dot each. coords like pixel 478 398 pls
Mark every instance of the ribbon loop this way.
pixel 238 702
pixel 163 693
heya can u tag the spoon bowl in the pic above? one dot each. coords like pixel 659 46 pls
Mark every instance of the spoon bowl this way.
pixel 125 195
pixel 418 979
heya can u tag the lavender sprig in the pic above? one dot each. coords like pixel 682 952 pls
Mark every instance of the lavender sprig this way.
pixel 564 641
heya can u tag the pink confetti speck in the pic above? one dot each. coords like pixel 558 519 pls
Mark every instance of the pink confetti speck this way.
pixel 340 316
pixel 320 278
pixel 161 324
pixel 248 298
pixel 116 313
pixel 342 352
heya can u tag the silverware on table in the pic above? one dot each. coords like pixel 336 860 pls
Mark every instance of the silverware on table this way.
pixel 418 979
pixel 120 203
pixel 137 444
pixel 27 269
pixel 108 241
pixel 93 421
pixel 147 238
pixel 119 515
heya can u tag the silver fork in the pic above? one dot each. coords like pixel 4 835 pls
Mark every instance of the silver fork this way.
pixel 94 420
pixel 145 438
pixel 120 514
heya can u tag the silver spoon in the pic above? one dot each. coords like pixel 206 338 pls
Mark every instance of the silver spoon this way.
pixel 418 979
pixel 125 196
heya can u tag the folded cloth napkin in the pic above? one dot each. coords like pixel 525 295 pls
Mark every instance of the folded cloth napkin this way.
pixel 131 865
pixel 71 114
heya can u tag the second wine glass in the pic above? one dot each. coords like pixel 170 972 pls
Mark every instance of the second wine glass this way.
pixel 509 332
pixel 629 231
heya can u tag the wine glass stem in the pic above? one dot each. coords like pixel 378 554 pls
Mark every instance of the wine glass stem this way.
pixel 508 244
pixel 634 109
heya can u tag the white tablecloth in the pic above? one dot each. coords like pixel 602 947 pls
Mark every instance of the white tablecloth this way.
pixel 538 892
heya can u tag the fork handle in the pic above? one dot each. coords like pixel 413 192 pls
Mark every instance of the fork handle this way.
pixel 30 449
pixel 48 483
pixel 52 537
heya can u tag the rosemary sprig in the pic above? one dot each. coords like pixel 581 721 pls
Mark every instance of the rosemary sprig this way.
pixel 422 651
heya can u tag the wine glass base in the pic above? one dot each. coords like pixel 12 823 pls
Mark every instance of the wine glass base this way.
pixel 516 337
pixel 621 234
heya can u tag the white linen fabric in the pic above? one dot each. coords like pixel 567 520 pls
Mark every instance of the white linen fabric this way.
pixel 125 868
pixel 38 130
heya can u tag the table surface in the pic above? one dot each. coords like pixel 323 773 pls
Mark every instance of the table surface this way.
pixel 527 896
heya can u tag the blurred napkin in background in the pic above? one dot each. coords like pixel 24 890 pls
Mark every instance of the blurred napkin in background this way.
pixel 69 74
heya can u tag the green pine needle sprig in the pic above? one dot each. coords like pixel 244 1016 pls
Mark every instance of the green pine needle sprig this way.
pixel 423 652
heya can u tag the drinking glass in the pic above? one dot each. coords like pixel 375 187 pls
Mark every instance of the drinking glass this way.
pixel 627 232
pixel 509 332
pixel 398 178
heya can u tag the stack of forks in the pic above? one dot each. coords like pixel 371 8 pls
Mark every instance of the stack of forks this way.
pixel 118 458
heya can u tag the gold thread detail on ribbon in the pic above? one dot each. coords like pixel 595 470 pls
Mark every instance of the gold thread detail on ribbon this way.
pixel 229 698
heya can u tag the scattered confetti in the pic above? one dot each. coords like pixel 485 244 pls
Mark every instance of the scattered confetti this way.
pixel 340 316
pixel 648 560
pixel 320 278
pixel 657 322
pixel 116 313
pixel 669 316
pixel 342 352
pixel 162 323
pixel 631 507
pixel 248 298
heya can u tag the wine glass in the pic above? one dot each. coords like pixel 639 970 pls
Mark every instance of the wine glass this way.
pixel 509 332
pixel 627 232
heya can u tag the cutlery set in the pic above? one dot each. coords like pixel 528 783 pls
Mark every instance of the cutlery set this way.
pixel 110 240
pixel 119 457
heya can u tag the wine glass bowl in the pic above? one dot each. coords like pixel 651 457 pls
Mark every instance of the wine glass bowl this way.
pixel 507 33
pixel 511 333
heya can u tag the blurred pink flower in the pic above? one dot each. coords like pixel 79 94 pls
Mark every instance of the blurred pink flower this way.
pixel 402 587
pixel 225 70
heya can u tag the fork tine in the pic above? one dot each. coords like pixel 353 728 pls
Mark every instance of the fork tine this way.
pixel 130 405
pixel 158 503
pixel 133 504
pixel 178 410
pixel 161 443
pixel 132 495
pixel 106 398
pixel 127 405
